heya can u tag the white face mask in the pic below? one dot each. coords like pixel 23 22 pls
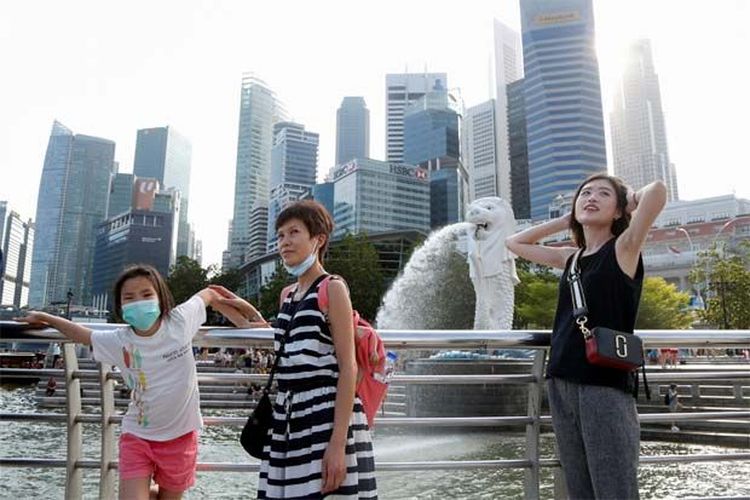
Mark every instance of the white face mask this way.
pixel 301 268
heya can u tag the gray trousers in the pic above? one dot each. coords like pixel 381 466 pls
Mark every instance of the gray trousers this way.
pixel 598 439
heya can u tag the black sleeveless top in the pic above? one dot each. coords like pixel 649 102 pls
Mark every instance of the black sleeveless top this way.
pixel 612 298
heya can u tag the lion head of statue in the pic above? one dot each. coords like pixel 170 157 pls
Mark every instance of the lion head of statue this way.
pixel 493 222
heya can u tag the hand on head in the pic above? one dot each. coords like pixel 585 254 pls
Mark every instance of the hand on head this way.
pixel 632 202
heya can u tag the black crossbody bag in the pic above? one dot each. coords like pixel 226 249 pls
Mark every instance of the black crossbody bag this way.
pixel 604 346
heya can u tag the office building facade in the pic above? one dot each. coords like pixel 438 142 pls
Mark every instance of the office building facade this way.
pixel 134 237
pixel 479 150
pixel 432 142
pixel 402 89
pixel 17 244
pixel 260 109
pixel 163 154
pixel 508 69
pixel 564 122
pixel 639 137
pixel 352 130
pixel 73 198
pixel 373 196
pixel 517 148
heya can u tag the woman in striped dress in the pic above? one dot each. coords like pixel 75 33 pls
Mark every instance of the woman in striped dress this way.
pixel 320 443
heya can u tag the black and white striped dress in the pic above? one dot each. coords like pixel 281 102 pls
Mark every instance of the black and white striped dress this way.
pixel 304 410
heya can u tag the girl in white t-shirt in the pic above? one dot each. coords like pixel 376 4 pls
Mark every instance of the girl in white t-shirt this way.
pixel 159 438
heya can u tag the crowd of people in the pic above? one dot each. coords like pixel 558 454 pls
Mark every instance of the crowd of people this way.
pixel 245 360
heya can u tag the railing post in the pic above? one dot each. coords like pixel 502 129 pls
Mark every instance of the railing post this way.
pixel 73 475
pixel 107 474
pixel 531 475
pixel 695 394
pixel 737 389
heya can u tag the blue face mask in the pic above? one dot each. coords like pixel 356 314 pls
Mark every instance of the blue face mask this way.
pixel 303 266
pixel 142 314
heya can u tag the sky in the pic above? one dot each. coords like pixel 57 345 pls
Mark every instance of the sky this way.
pixel 109 68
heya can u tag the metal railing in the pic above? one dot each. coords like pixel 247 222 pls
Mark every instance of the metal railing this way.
pixel 531 464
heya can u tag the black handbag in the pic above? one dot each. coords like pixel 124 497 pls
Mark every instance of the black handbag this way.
pixel 255 434
pixel 604 346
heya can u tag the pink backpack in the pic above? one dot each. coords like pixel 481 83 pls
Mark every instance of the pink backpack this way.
pixel 370 354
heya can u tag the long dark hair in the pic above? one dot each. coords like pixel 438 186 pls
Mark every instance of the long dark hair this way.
pixel 619 225
pixel 166 301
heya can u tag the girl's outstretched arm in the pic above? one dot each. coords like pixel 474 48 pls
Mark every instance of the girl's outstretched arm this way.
pixel 74 331
pixel 237 310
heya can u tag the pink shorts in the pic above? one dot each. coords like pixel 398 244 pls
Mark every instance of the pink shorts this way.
pixel 171 463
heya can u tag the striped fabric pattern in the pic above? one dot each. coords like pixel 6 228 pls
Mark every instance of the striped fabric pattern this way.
pixel 304 410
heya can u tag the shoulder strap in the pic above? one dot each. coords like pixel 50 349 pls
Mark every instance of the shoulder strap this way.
pixel 323 291
pixel 289 290
pixel 285 293
pixel 576 286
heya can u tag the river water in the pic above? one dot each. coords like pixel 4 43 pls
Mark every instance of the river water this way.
pixel 219 444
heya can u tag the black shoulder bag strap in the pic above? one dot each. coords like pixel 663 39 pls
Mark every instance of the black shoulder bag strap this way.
pixel 580 310
pixel 287 330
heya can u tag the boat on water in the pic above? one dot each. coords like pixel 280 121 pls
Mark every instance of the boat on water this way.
pixel 20 359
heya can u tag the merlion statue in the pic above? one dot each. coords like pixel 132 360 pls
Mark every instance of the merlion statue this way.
pixel 492 267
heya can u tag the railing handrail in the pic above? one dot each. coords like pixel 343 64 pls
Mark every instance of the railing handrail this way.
pixel 395 339
pixel 672 375
pixel 11 331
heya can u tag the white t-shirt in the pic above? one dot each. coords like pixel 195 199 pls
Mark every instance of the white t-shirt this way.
pixel 160 370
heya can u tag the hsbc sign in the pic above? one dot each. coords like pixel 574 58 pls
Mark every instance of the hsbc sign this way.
pixel 408 171
pixel 344 169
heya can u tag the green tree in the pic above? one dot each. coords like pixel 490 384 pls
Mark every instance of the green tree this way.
pixel 186 278
pixel 725 279
pixel 356 260
pixel 230 279
pixel 535 296
pixel 270 292
pixel 662 306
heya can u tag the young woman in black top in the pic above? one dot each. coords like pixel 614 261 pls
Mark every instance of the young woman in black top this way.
pixel 593 411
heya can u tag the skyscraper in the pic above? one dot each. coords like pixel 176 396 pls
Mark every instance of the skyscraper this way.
pixel 3 217
pixel 294 167
pixel 639 138
pixel 259 110
pixel 479 149
pixel 564 123
pixel 519 154
pixel 294 155
pixel 120 194
pixel 508 68
pixel 431 141
pixel 16 243
pixel 73 198
pixel 163 154
pixel 142 235
pixel 352 130
pixel 373 197
pixel 401 90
